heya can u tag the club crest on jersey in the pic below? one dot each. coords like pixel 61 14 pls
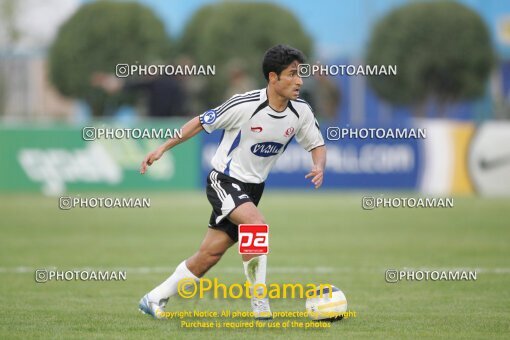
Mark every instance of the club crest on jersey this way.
pixel 289 132
pixel 266 149
pixel 209 117
pixel 256 128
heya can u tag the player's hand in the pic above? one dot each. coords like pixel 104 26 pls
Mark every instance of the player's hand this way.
pixel 317 175
pixel 151 158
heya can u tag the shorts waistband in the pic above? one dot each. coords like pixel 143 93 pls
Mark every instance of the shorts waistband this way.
pixel 235 180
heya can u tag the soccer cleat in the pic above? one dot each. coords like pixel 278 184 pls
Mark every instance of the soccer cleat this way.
pixel 156 310
pixel 261 309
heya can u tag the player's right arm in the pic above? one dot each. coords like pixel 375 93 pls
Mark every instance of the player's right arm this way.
pixel 226 116
pixel 190 129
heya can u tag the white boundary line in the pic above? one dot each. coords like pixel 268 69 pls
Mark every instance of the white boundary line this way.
pixel 169 270
pixel 239 269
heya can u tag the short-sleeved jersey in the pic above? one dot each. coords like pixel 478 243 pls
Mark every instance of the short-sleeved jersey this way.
pixel 255 135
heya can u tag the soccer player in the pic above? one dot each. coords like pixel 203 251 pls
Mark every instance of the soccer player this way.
pixel 257 128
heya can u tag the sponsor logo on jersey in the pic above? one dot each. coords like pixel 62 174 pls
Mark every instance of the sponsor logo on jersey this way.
pixel 266 149
pixel 237 187
pixel 289 132
pixel 243 196
pixel 256 128
pixel 209 117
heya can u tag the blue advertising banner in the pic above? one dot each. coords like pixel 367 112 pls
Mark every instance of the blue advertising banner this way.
pixel 353 163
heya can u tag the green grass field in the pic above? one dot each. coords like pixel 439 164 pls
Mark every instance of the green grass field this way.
pixel 315 238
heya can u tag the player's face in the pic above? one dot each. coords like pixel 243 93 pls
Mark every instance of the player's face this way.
pixel 290 82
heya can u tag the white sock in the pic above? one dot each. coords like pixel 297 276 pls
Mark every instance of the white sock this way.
pixel 169 286
pixel 255 270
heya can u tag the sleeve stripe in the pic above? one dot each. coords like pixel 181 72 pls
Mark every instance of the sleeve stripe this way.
pixel 235 98
pixel 235 104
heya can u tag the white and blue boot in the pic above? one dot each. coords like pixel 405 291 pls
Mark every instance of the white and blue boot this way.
pixel 156 310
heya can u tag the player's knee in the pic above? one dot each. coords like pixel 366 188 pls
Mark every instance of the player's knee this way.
pixel 259 219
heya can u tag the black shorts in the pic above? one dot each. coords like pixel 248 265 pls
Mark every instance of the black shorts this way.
pixel 225 194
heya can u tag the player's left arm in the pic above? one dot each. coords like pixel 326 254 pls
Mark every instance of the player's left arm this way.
pixel 319 164
pixel 309 136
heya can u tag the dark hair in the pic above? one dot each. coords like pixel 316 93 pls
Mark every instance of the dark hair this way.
pixel 279 57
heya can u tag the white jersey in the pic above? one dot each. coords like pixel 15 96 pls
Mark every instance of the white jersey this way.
pixel 255 135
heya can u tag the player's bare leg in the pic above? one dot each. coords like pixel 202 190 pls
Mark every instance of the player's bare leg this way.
pixel 254 265
pixel 214 245
pixel 247 213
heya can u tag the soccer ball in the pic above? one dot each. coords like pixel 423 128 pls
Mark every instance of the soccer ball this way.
pixel 331 306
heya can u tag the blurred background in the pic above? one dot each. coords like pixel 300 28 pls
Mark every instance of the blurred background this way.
pixel 57 75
